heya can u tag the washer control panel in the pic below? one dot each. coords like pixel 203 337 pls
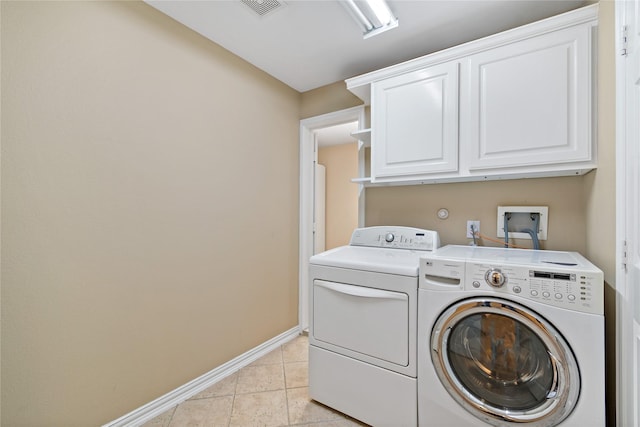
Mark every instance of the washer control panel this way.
pixel 396 238
pixel 562 288
pixel 560 279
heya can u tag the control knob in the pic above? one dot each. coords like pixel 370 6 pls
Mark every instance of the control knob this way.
pixel 389 237
pixel 495 278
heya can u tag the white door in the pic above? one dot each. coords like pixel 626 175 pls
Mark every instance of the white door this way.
pixel 319 209
pixel 628 208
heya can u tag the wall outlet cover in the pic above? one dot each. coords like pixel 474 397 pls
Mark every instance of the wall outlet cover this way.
pixel 476 228
pixel 543 225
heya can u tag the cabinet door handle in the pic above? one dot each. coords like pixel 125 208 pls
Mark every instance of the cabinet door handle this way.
pixel 360 291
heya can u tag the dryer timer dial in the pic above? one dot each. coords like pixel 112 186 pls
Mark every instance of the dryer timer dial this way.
pixel 495 278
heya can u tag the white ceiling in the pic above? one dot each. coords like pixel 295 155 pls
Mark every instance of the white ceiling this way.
pixel 310 43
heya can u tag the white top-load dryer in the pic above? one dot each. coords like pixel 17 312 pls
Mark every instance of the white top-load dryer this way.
pixel 363 324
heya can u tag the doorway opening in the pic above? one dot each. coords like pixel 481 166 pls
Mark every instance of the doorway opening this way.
pixel 336 197
pixel 311 131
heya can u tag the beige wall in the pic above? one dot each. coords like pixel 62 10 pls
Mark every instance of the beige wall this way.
pixel 599 191
pixel 149 209
pixel 417 206
pixel 341 162
pixel 327 99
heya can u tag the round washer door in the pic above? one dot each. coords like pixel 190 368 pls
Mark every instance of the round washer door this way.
pixel 504 363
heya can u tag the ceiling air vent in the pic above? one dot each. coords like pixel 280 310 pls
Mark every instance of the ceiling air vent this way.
pixel 264 7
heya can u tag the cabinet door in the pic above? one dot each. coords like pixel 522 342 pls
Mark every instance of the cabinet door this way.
pixel 529 102
pixel 415 123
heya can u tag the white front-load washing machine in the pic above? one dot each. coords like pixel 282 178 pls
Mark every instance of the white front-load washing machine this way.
pixel 510 337
pixel 363 324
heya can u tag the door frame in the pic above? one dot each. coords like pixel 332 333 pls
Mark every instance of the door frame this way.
pixel 308 157
pixel 627 205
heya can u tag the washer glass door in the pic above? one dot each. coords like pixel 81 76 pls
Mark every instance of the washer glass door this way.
pixel 504 363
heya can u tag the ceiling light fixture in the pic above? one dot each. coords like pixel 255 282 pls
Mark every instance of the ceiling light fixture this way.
pixel 374 16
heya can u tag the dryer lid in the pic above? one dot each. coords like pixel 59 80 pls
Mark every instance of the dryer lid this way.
pixel 391 261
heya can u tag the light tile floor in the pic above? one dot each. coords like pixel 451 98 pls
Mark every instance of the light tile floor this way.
pixel 272 391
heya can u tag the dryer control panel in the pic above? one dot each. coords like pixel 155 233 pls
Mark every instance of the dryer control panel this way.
pixel 396 237
pixel 569 282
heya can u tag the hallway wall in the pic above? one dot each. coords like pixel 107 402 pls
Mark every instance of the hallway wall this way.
pixel 149 209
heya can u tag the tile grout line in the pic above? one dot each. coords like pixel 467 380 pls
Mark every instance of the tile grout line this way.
pixel 175 408
pixel 286 390
pixel 235 393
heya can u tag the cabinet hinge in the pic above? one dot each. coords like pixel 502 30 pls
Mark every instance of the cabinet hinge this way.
pixel 623 41
pixel 624 255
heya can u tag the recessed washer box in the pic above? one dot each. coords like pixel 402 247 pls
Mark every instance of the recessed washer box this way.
pixel 520 219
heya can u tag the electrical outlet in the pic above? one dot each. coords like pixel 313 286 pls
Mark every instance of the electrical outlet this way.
pixel 476 228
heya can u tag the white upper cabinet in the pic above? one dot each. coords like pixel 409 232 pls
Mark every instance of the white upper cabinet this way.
pixel 416 123
pixel 528 103
pixel 513 105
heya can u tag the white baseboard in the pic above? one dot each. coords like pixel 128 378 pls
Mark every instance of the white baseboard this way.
pixel 153 409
